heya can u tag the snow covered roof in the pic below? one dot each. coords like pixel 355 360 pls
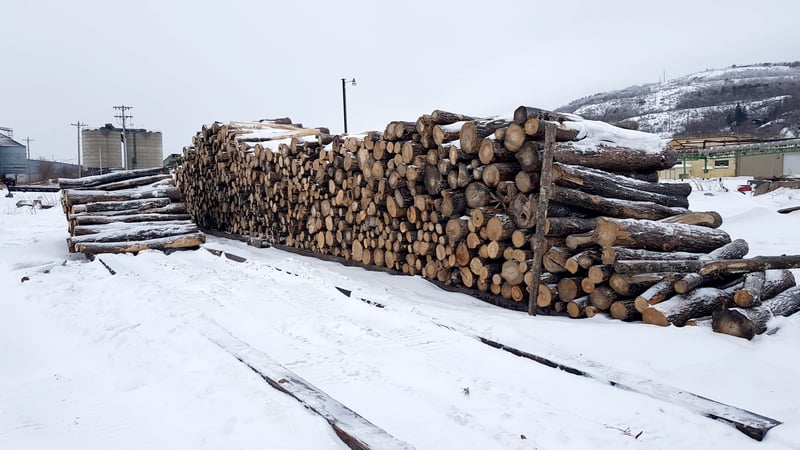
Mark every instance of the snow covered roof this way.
pixel 6 141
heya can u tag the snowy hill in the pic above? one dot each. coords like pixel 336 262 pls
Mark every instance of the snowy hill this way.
pixel 706 102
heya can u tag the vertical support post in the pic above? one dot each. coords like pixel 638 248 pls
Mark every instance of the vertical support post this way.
pixel 538 243
pixel 344 103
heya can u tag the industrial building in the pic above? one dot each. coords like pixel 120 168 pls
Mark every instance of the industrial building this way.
pixel 102 148
pixel 731 156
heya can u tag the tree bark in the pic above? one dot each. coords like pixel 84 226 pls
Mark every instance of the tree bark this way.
pixel 760 286
pixel 747 323
pixel 679 309
pixel 612 186
pixel 614 207
pixel 615 159
pixel 659 236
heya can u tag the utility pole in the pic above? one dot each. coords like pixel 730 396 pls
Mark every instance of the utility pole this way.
pixel 123 118
pixel 28 146
pixel 79 125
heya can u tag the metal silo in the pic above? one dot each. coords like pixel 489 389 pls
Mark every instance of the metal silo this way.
pixel 102 148
pixel 13 156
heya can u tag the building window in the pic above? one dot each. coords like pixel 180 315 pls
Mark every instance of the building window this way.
pixel 722 164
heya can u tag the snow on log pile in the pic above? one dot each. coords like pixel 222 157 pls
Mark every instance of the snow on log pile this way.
pixel 455 198
pixel 126 212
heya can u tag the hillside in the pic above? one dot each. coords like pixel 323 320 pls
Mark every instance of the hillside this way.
pixel 767 96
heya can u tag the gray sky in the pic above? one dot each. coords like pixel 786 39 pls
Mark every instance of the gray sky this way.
pixel 181 64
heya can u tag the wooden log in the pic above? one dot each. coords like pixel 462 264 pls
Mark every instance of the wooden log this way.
pixel 625 310
pixel 609 185
pixel 439 116
pixel 82 230
pixel 99 220
pixel 500 227
pixel 527 182
pixel 167 243
pixel 679 309
pixel 514 137
pixel 615 159
pixel 734 250
pixel 710 219
pixel 564 226
pixel 457 229
pixel 632 285
pixel 582 260
pixel 655 294
pixel 555 258
pixel 600 273
pixel 478 194
pixel 614 207
pixel 494 173
pixel 528 157
pixel 569 288
pixel 523 113
pixel 523 210
pixel 96 180
pixel 760 286
pixel 135 182
pixel 135 232
pixel 491 151
pixel 546 295
pixel 583 176
pixel 751 265
pixel 610 255
pixel 649 266
pixel 747 323
pixel 602 297
pixel 539 240
pixel 77 197
pixel 652 235
pixel 443 133
pixel 580 240
pixel 474 131
pixel 577 308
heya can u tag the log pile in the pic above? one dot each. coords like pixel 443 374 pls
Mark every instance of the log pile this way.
pixel 127 212
pixel 481 203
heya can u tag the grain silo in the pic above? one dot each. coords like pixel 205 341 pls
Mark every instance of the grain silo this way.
pixel 102 148
pixel 13 156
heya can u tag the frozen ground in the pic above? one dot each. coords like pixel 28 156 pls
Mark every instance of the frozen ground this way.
pixel 90 360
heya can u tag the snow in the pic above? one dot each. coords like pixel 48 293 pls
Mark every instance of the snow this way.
pixel 593 134
pixel 92 360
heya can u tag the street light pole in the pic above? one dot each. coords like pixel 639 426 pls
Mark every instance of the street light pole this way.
pixel 79 125
pixel 344 99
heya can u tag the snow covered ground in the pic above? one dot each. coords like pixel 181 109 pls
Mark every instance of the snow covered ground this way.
pixel 91 360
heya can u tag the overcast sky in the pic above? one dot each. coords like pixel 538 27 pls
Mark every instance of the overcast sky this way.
pixel 181 64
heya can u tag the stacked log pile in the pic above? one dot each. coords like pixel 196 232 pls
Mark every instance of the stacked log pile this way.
pixel 127 212
pixel 456 199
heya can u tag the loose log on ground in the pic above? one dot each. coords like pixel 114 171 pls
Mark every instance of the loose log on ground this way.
pixel 624 310
pixel 652 235
pixel 679 309
pixel 760 286
pixel 749 322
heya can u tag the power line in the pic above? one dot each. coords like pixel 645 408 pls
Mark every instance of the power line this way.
pixel 123 118
pixel 79 125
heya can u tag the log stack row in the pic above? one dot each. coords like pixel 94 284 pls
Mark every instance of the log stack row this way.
pixel 455 198
pixel 127 212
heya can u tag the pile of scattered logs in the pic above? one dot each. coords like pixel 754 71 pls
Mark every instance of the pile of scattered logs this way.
pixel 456 199
pixel 127 212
